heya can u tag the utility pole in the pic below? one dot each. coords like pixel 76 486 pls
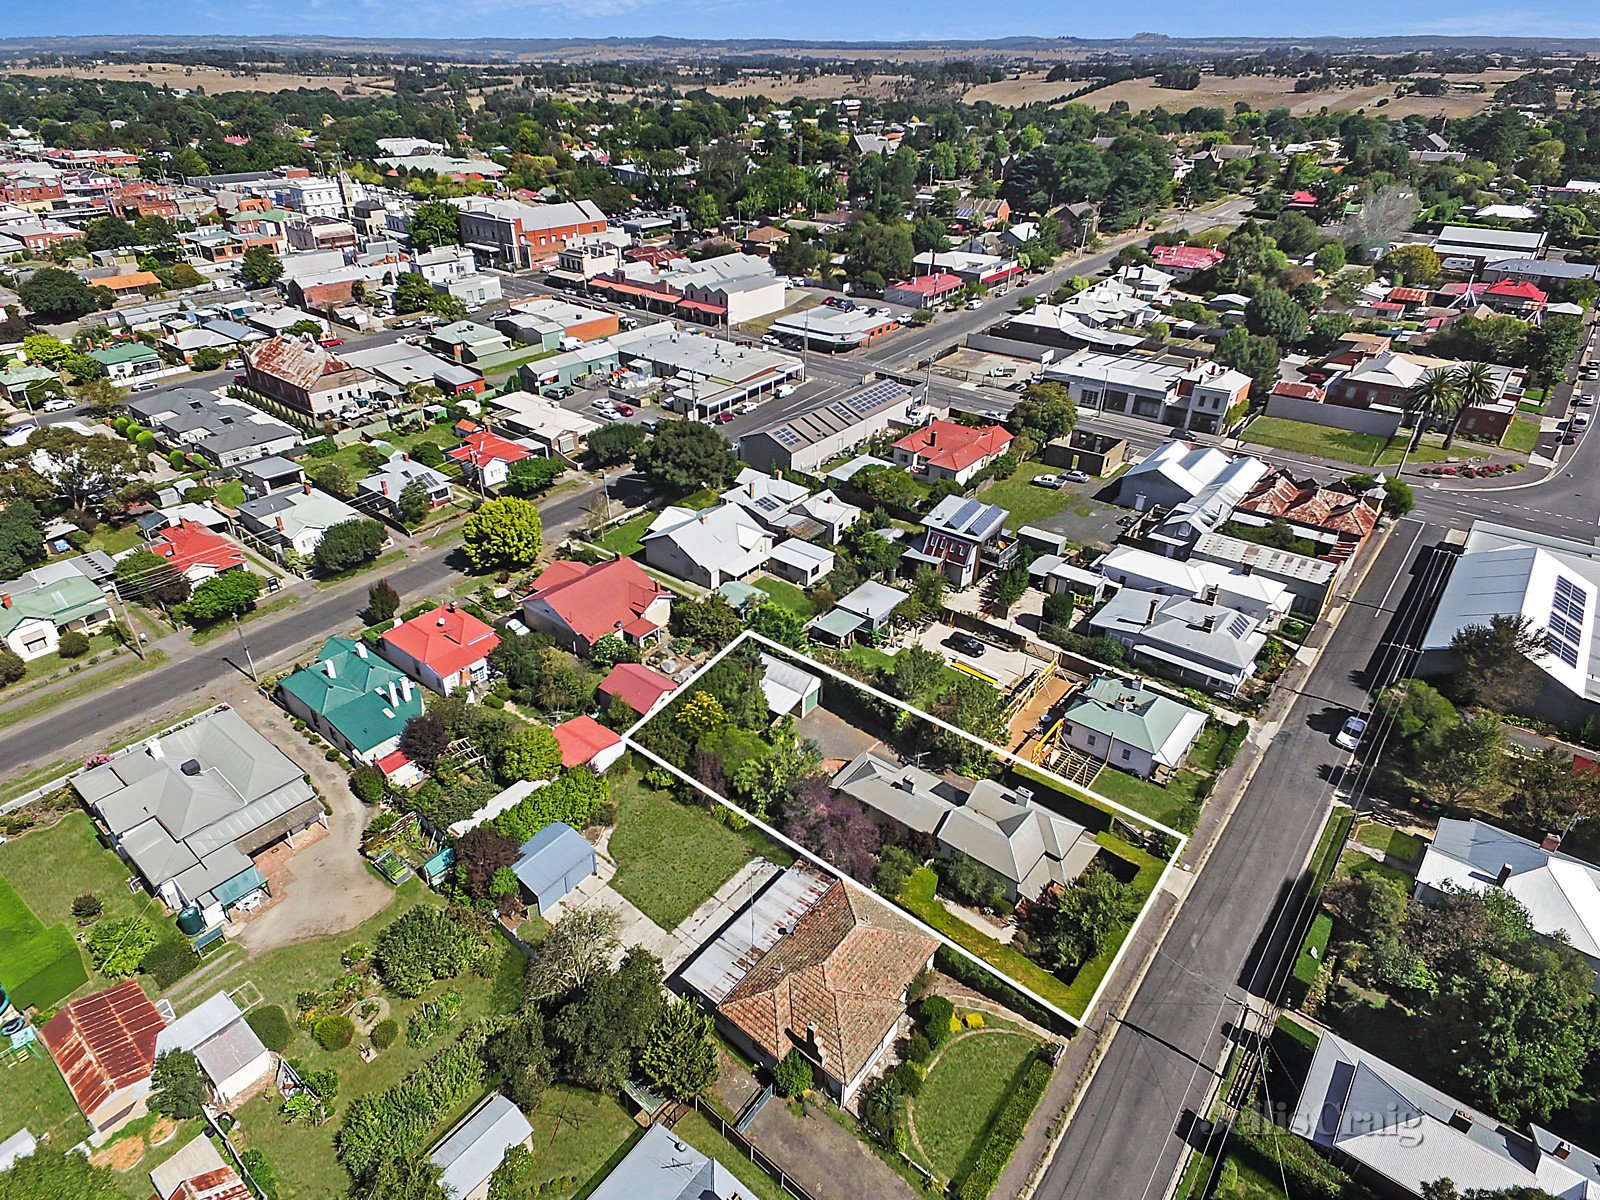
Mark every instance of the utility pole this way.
pixel 133 630
pixel 238 628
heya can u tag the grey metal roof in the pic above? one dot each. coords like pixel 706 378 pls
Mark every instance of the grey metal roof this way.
pixel 216 1033
pixel 964 517
pixel 719 965
pixel 1178 625
pixel 472 1151
pixel 873 600
pixel 550 855
pixel 661 1167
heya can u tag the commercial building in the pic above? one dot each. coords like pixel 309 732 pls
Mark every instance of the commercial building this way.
pixel 803 444
pixel 831 329
pixel 518 236
pixel 1169 389
pixel 1472 248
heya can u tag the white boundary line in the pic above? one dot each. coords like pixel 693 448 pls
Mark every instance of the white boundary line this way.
pixel 1129 937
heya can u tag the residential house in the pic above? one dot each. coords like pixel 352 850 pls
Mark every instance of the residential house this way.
pixel 800 562
pixel 585 742
pixel 306 377
pixel 1309 580
pixel 579 604
pixel 195 552
pixel 1182 262
pixel 1383 380
pixel 1560 893
pixel 1127 725
pixel 1145 281
pixel 294 521
pixel 197 1172
pixel 127 360
pixel 949 450
pixel 190 808
pixel 224 431
pixel 707 547
pixel 961 537
pixel 381 491
pixel 791 509
pixel 865 611
pixel 1031 848
pixel 104 1044
pixel 804 443
pixel 264 476
pixel 1338 522
pixel 486 457
pixel 637 686
pixel 661 1166
pixel 1203 644
pixel 39 606
pixel 551 864
pixel 468 1155
pixel 542 422
pixel 1263 599
pixel 813 966
pixel 443 649
pixel 1404 1134
pixel 358 702
pixel 231 1056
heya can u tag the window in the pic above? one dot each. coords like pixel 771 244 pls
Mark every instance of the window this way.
pixel 1127 755
pixel 1092 739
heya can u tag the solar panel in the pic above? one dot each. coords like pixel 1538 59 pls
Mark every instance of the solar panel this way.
pixel 1568 608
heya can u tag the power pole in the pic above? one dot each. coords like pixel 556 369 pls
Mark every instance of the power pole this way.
pixel 248 658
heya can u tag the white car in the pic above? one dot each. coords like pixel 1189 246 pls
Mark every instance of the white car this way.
pixel 1350 735
pixel 1580 421
pixel 975 305
pixel 1583 401
pixel 57 404
pixel 1047 481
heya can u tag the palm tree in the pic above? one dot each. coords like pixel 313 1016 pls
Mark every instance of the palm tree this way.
pixel 1432 397
pixel 1475 384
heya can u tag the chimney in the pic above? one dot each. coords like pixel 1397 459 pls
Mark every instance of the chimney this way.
pixel 394 693
pixel 1461 1120
pixel 1209 624
pixel 1211 593
pixel 5 600
pixel 1151 615
pixel 1504 876
pixel 405 690
pixel 1563 1151
pixel 280 525
pixel 384 485
pixel 361 649
pixel 1247 568
pixel 153 748
pixel 306 487
pixel 328 669
pixel 451 607
pixel 1551 842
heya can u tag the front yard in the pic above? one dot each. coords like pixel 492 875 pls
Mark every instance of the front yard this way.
pixel 966 1087
pixel 671 857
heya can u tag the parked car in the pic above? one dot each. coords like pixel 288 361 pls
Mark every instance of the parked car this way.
pixel 1046 481
pixel 994 414
pixel 328 343
pixel 1351 733
pixel 768 340
pixel 558 393
pixel 965 643
pixel 1076 476
pixel 649 424
pixel 625 409
pixel 57 404
pixel 142 387
pixel 1583 401
pixel 723 417
pixel 975 305
pixel 1580 421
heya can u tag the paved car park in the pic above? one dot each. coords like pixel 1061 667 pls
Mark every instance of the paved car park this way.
pixel 1004 666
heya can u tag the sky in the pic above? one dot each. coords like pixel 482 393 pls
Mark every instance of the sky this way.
pixel 894 20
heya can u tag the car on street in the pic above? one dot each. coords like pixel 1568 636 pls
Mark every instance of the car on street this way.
pixel 1583 401
pixel 722 418
pixel 994 414
pixel 328 343
pixel 975 305
pixel 1076 476
pixel 1046 481
pixel 768 340
pixel 965 643
pixel 1580 421
pixel 1351 732
pixel 57 404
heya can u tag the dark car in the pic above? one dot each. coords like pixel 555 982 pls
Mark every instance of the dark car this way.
pixel 965 643
pixel 558 393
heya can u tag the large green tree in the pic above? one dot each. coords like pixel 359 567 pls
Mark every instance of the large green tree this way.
pixel 261 267
pixel 230 594
pixel 52 295
pixel 680 1059
pixel 687 455
pixel 504 533
pixel 349 543
pixel 434 224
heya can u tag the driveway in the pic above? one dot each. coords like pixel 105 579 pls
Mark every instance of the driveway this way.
pixel 331 889
pixel 839 740
pixel 827 1160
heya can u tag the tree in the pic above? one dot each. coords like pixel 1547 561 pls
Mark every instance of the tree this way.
pixel 1550 791
pixel 12 668
pixel 84 469
pixel 1398 498
pixel 611 650
pixel 415 503
pixel 598 1034
pixel 505 533
pixel 101 396
pixel 1273 313
pixel 1413 264
pixel 917 675
pixel 573 953
pixel 616 442
pixel 703 212
pixel 348 544
pixel 1082 922
pixel 521 1057
pixel 229 594
pixel 710 622
pixel 382 602
pixel 1467 763
pixel 434 224
pixel 1432 398
pixel 686 455
pixel 52 294
pixel 480 853
pixel 1548 347
pixel 260 267
pixel 792 1076
pixel 149 578
pixel 424 739
pixel 971 882
pixel 412 293
pixel 1329 259
pixel 119 946
pixel 1007 587
pixel 1251 355
pixel 425 945
pixel 46 350
pixel 21 538
pixel 533 476
pixel 1419 713
pixel 680 1059
pixel 832 826
pixel 1493 660
pixel 772 620
pixel 533 753
pixel 335 479
pixel 178 1088
pixel 60 1176
pixel 1045 412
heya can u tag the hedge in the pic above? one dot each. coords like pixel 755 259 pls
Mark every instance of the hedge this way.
pixel 398 1121
pixel 1006 1132
pixel 271 1024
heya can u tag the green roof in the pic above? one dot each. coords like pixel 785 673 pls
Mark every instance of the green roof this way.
pixel 68 599
pixel 354 700
pixel 129 352
pixel 25 375
pixel 1144 719
pixel 231 891
pixel 839 623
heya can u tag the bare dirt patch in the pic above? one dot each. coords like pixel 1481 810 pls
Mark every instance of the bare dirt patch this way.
pixel 120 1155
pixel 212 79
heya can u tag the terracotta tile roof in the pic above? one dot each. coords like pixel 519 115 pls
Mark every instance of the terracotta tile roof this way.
pixel 837 979
pixel 190 544
pixel 1302 391
pixel 637 684
pixel 447 639
pixel 597 600
pixel 1311 506
pixel 954 447
pixel 582 740
pixel 104 1043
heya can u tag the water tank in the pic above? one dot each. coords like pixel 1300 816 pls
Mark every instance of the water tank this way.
pixel 191 921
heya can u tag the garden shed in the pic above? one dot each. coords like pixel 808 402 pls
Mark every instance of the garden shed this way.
pixel 553 862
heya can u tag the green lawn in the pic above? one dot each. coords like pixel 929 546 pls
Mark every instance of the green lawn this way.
pixel 1355 864
pixel 1340 445
pixel 624 538
pixel 29 705
pixel 965 1089
pixel 36 1098
pixel 699 1133
pixel 672 857
pixel 581 1135
pixel 1523 435
pixel 786 595
pixel 1027 503
pixel 1406 847
pixel 47 665
pixel 372 564
pixel 231 493
pixel 1172 804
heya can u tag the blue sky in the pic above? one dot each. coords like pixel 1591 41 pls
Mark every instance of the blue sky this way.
pixel 838 19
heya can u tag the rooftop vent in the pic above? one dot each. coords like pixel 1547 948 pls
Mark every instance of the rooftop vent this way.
pixel 191 766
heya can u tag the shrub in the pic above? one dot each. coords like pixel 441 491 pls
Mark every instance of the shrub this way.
pixel 792 1076
pixel 919 1049
pixel 424 945
pixel 271 1025
pixel 119 947
pixel 169 962
pixel 367 784
pixel 382 1127
pixel 908 1078
pixel 1005 1133
pixel 73 644
pixel 936 1013
pixel 385 1033
pixel 86 906
pixel 334 1032
pixel 973 1020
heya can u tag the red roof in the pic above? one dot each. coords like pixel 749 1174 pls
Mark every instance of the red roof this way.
pixel 582 740
pixel 597 600
pixel 391 762
pixel 104 1043
pixel 1518 291
pixel 1302 197
pixel 641 687
pixel 481 446
pixel 954 447
pixel 190 544
pixel 1303 391
pixel 447 639
pixel 1409 295
pixel 936 284
pixel 218 1184
pixel 1193 258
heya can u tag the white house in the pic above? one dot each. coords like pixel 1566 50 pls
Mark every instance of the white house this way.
pixel 1267 600
pixel 233 1058
pixel 1129 726
pixel 708 547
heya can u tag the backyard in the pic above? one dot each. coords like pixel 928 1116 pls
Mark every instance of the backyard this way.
pixel 967 1084
pixel 671 857
pixel 786 595
pixel 1027 503
pixel 1339 445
